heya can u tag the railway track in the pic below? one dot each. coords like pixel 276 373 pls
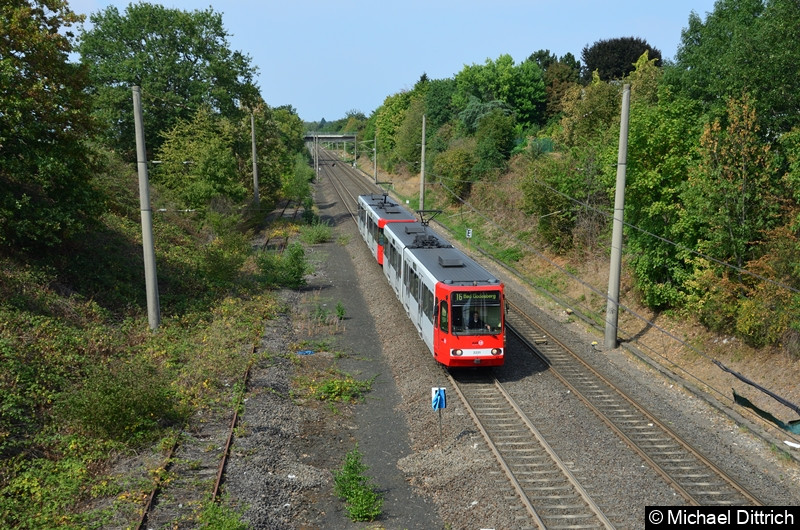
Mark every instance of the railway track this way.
pixel 279 240
pixel 348 182
pixel 685 469
pixel 547 489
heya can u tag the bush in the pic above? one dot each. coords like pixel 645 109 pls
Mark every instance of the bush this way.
pixel 362 501
pixel 285 269
pixel 123 400
pixel 318 232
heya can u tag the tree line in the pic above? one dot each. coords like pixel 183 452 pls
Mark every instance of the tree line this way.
pixel 713 165
pixel 63 118
pixel 713 148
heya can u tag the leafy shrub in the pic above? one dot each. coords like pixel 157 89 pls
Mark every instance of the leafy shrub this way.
pixel 223 258
pixel 318 232
pixel 124 400
pixel 363 503
pixel 221 517
pixel 285 269
pixel 342 388
pixel 43 492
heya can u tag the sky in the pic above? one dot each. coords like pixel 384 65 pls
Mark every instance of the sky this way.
pixel 328 58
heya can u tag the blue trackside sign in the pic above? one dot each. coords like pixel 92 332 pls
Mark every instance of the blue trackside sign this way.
pixel 438 398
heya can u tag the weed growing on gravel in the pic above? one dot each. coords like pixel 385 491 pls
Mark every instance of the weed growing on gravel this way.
pixel 286 269
pixel 318 232
pixel 342 387
pixel 363 503
pixel 221 517
pixel 334 386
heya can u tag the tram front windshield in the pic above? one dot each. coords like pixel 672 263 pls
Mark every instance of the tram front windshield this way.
pixel 476 312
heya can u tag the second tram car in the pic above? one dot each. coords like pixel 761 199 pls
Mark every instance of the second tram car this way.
pixel 374 213
pixel 456 305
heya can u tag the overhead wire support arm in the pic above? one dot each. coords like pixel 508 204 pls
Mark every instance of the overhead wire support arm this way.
pixel 423 221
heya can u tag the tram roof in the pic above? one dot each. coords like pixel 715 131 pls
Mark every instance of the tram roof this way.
pixel 386 208
pixel 446 263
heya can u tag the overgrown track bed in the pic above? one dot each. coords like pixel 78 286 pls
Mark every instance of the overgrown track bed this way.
pixel 185 474
pixel 547 490
pixel 279 240
pixel 698 480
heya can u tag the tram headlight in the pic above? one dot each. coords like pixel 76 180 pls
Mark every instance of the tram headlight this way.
pixel 457 353
pixel 496 351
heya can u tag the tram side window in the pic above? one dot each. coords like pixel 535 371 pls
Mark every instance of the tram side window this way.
pixel 427 302
pixel 373 229
pixel 443 317
pixel 395 261
pixel 414 287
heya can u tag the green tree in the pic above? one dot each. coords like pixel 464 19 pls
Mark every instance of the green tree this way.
pixel 564 194
pixel 559 78
pixel 731 196
pixel 46 168
pixel 298 185
pixel 543 58
pixel 744 46
pixel 730 204
pixel 279 139
pixel 476 110
pixel 181 60
pixel 613 59
pixel 409 135
pixel 662 141
pixel 588 113
pixel 439 102
pixel 519 87
pixel 454 168
pixel 494 141
pixel 198 162
pixel 388 120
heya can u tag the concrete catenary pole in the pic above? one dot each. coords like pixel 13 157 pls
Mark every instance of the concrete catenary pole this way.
pixel 612 309
pixel 375 156
pixel 150 275
pixel 422 170
pixel 256 198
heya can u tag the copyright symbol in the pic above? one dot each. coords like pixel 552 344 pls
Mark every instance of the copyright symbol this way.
pixel 655 517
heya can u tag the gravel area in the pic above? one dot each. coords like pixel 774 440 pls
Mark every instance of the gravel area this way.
pixel 435 471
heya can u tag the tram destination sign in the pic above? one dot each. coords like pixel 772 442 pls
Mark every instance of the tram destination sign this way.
pixel 462 297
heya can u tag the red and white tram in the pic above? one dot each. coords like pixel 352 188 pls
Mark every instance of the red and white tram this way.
pixel 456 305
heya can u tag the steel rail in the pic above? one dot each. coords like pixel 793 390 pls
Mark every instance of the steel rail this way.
pixel 685 486
pixel 227 450
pixel 514 482
pixel 550 482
